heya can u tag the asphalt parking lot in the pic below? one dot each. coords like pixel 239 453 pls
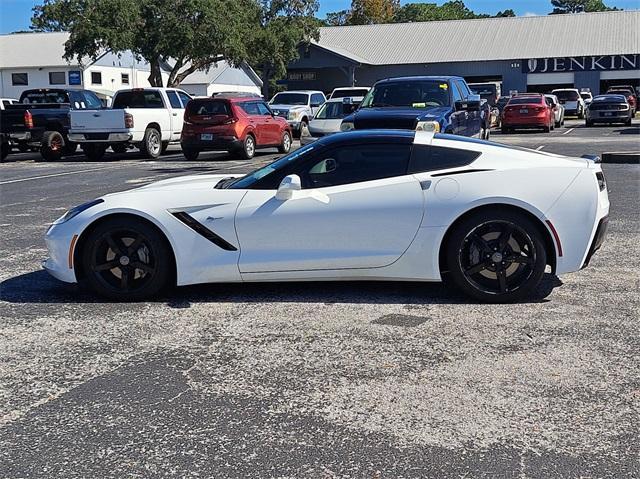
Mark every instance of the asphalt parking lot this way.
pixel 357 380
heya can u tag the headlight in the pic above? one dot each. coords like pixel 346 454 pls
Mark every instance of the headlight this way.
pixel 433 126
pixel 293 115
pixel 76 210
pixel 347 126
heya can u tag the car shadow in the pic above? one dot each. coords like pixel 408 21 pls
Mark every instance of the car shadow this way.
pixel 631 130
pixel 38 287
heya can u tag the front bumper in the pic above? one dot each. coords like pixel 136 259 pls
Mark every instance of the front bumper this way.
pixel 99 137
pixel 60 245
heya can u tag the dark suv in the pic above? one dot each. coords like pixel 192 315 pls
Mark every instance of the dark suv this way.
pixel 432 103
pixel 237 123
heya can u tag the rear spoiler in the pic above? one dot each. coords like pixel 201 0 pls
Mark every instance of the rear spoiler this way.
pixel 594 158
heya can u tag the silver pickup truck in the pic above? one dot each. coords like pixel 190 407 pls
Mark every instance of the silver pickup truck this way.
pixel 297 107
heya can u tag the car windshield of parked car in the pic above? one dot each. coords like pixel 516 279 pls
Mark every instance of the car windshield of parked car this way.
pixel 290 99
pixel 566 95
pixel 410 93
pixel 247 181
pixel 45 97
pixel 349 92
pixel 485 91
pixel 525 100
pixel 335 110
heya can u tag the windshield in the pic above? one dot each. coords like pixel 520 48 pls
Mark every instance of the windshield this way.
pixel 566 95
pixel 409 93
pixel 290 99
pixel 586 96
pixel 619 98
pixel 335 110
pixel 349 92
pixel 248 180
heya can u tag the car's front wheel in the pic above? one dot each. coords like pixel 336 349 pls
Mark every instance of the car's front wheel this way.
pixel 496 256
pixel 125 259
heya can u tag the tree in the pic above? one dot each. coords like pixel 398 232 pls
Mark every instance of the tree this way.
pixel 578 6
pixel 365 12
pixel 453 10
pixel 281 26
pixel 336 19
pixel 506 13
pixel 190 34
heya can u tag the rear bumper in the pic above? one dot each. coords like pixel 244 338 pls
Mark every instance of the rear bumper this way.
pixel 216 144
pixel 598 239
pixel 99 137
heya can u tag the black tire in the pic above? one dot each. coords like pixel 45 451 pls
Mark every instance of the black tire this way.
pixel 139 256
pixel 23 147
pixel 190 154
pixel 588 124
pixel 505 130
pixel 581 113
pixel 119 148
pixel 94 151
pixel 165 146
pixel 5 148
pixel 303 125
pixel 52 146
pixel 248 149
pixel 151 146
pixel 557 124
pixel 285 146
pixel 546 129
pixel 496 256
pixel 628 122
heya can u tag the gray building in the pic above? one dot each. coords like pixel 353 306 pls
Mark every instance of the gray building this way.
pixel 586 50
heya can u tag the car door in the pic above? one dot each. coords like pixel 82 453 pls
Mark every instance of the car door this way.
pixel 459 115
pixel 176 113
pixel 256 120
pixel 270 125
pixel 358 208
pixel 473 117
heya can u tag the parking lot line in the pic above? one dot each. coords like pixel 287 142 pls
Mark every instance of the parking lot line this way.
pixel 568 131
pixel 20 180
pixel 540 147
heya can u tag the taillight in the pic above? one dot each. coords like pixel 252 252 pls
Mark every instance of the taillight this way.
pixel 128 120
pixel 602 184
pixel 28 119
pixel 230 121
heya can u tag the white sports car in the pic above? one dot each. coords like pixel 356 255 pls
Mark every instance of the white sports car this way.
pixel 363 205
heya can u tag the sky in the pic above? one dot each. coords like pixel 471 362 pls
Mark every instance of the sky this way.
pixel 16 14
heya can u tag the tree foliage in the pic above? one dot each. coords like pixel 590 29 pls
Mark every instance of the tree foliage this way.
pixel 579 6
pixel 279 28
pixel 187 35
pixel 366 12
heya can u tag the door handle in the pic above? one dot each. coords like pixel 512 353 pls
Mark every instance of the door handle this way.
pixel 174 114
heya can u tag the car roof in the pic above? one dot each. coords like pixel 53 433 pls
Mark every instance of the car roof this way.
pixel 565 89
pixel 341 99
pixel 351 88
pixel 300 91
pixel 420 77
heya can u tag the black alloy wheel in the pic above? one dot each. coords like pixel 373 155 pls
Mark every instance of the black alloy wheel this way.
pixel 499 259
pixel 126 260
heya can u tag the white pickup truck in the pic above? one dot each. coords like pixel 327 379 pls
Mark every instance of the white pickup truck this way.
pixel 146 118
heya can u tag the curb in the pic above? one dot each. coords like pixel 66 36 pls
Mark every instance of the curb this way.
pixel 625 157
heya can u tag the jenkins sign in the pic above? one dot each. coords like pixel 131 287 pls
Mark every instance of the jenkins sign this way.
pixel 580 64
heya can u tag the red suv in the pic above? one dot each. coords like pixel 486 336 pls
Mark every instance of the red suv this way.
pixel 528 111
pixel 232 122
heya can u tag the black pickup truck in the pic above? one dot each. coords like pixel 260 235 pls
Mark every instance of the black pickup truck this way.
pixel 41 120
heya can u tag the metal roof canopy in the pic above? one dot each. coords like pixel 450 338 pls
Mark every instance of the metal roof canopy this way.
pixel 486 39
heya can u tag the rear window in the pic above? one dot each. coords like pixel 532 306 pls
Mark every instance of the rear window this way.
pixel 350 92
pixel 209 108
pixel 335 110
pixel 44 97
pixel 525 100
pixel 566 95
pixel 138 99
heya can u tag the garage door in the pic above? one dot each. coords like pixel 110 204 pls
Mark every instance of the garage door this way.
pixel 549 78
pixel 620 75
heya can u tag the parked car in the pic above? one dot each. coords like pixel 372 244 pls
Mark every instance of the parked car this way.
pixel 587 97
pixel 609 108
pixel 571 100
pixel 490 91
pixel 527 111
pixel 349 91
pixel 500 104
pixel 558 109
pixel 329 117
pixel 7 101
pixel 487 116
pixel 297 107
pixel 238 124
pixel 629 93
pixel 370 205
pixel 431 103
pixel 40 120
pixel 146 118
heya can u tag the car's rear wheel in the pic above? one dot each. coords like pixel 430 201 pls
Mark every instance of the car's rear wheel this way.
pixel 125 259
pixel 5 148
pixel 588 123
pixel 248 149
pixel 52 146
pixel 151 146
pixel 94 151
pixel 285 146
pixel 496 256
pixel 506 130
pixel 190 153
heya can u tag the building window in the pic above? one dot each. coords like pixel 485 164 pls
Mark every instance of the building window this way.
pixel 96 78
pixel 57 78
pixel 125 78
pixel 19 78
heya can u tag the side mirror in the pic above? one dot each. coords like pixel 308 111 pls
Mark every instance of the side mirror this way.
pixel 288 185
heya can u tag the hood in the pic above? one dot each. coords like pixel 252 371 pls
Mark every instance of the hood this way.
pixel 191 183
pixel 277 106
pixel 395 117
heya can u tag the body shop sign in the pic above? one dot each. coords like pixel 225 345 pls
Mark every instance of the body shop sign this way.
pixel 581 64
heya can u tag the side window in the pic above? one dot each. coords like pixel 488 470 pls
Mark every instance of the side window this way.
pixel 356 163
pixel 432 158
pixel 317 99
pixel 250 107
pixel 464 90
pixel 457 96
pixel 184 98
pixel 173 99
pixel 263 109
pixel 77 100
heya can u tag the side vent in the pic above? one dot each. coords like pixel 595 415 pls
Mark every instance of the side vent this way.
pixel 202 230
